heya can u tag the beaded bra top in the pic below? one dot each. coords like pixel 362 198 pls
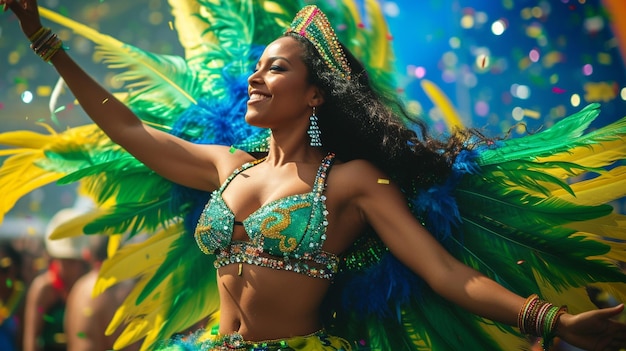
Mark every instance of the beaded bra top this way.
pixel 285 234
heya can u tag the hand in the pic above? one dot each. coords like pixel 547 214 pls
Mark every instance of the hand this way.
pixel 594 330
pixel 27 13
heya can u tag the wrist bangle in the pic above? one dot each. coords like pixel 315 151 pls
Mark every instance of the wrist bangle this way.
pixel 45 43
pixel 539 318
pixel 37 34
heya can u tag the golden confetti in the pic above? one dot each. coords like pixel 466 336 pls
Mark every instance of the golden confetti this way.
pixel 105 101
pixel 5 262
pixel 44 90
pixel 383 181
pixel 87 311
pixel 531 114
pixel 601 91
pixel 40 263
pixel 482 61
pixel 171 25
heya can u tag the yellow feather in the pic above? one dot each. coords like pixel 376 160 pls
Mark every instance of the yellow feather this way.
pixel 146 327
pixel 611 226
pixel 136 260
pixel 132 333
pixel 20 173
pixel 26 139
pixel 9 152
pixel 440 100
pixel 589 155
pixel 576 299
pixel 598 155
pixel 616 253
pixel 127 311
pixel 602 189
pixel 20 176
pixel 115 242
pixel 74 227
pixel 192 32
pixel 139 260
pixel 382 45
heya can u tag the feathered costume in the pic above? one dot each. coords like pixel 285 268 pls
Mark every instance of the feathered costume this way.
pixel 532 213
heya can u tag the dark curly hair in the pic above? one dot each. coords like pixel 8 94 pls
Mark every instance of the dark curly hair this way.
pixel 361 121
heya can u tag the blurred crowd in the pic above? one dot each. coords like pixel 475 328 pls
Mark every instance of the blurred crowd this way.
pixel 46 299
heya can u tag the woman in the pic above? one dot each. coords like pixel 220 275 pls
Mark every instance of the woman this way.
pixel 284 220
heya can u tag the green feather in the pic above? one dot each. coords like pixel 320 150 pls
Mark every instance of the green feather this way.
pixel 559 137
pixel 502 230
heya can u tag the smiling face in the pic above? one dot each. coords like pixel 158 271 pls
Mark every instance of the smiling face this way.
pixel 279 90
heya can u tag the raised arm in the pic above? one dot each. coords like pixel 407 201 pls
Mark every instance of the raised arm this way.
pixel 385 208
pixel 180 161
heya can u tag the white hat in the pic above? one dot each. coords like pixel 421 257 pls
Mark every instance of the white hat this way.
pixel 67 247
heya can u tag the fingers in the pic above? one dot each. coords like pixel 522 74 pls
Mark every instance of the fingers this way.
pixel 19 7
pixel 611 312
pixel 14 5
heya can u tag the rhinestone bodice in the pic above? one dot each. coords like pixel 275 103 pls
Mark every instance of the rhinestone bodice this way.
pixel 286 234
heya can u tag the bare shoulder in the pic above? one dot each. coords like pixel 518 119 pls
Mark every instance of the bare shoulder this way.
pixel 42 284
pixel 227 159
pixel 42 292
pixel 364 186
pixel 357 175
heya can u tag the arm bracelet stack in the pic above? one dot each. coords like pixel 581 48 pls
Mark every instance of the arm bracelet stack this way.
pixel 539 318
pixel 45 43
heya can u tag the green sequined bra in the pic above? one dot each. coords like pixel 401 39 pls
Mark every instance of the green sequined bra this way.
pixel 285 234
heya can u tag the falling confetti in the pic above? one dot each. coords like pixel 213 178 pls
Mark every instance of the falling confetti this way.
pixel 383 181
pixel 48 318
pixel 87 311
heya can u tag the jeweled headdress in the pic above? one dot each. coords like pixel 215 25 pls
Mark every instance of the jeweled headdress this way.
pixel 312 24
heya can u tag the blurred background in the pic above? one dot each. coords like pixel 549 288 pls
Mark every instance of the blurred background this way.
pixel 502 63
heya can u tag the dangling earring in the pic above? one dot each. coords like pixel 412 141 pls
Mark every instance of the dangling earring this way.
pixel 314 131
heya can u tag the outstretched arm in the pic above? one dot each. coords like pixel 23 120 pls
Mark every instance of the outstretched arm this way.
pixel 384 207
pixel 180 161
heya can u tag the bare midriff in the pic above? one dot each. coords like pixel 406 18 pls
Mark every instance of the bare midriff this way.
pixel 261 303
